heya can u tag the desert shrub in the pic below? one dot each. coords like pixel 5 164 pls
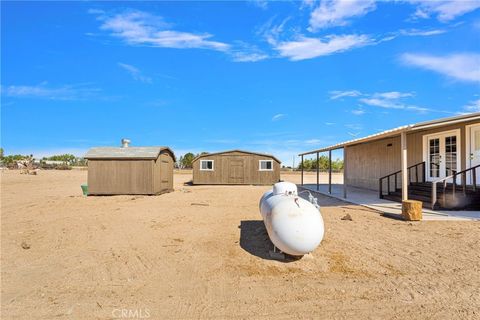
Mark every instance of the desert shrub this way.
pixel 63 167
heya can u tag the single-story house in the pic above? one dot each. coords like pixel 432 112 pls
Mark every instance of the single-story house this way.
pixel 437 162
pixel 236 167
pixel 130 170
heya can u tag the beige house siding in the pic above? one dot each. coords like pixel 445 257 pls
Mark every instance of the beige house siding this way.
pixel 367 162
pixel 236 168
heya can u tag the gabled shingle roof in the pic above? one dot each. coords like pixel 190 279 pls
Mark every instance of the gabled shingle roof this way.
pixel 125 153
pixel 240 151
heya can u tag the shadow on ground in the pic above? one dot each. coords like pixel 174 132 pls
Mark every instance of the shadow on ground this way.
pixel 323 200
pixel 254 239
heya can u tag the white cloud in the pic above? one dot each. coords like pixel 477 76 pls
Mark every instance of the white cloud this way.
pixel 425 110
pixel 278 116
pixel 262 4
pixel 340 94
pixel 393 95
pixel 285 148
pixel 461 66
pixel 307 4
pixel 308 48
pixel 445 10
pixel 385 100
pixel 473 106
pixel 248 57
pixel 141 28
pixel 383 103
pixel 422 33
pixel 272 32
pixel 394 100
pixel 476 24
pixel 313 142
pixel 358 112
pixel 354 126
pixel 96 11
pixel 387 38
pixel 222 141
pixel 43 91
pixel 332 13
pixel 135 73
pixel 245 52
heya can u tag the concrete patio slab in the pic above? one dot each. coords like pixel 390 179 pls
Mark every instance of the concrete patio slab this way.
pixel 370 199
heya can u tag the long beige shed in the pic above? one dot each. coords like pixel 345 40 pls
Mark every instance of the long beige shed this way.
pixel 236 167
pixel 130 170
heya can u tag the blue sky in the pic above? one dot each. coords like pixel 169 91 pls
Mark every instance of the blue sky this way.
pixel 275 77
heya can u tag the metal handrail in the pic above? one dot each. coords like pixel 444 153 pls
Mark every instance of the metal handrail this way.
pixel 454 177
pixel 380 181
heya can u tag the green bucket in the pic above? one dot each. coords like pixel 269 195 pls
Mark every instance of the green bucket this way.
pixel 85 189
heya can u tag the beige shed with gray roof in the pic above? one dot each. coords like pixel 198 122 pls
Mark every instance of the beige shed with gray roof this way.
pixel 130 170
pixel 236 167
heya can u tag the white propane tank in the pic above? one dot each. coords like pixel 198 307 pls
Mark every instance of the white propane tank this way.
pixel 294 225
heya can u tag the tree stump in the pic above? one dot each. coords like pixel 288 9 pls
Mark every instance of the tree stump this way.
pixel 412 210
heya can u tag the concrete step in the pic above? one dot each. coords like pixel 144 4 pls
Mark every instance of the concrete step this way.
pixel 460 202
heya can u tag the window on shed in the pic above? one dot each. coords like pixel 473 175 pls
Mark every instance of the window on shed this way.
pixel 266 165
pixel 206 165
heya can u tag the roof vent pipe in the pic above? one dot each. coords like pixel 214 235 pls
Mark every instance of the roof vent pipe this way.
pixel 125 143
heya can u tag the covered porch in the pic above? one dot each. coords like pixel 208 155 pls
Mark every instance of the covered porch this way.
pixel 343 188
pixel 435 162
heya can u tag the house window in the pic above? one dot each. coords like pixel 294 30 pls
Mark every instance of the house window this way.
pixel 265 165
pixel 206 165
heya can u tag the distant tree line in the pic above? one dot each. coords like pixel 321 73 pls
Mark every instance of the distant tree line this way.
pixel 68 159
pixel 12 159
pixel 186 161
pixel 311 164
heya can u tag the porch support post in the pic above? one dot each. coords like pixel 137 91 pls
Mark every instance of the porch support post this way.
pixel 301 164
pixel 330 171
pixel 318 171
pixel 345 172
pixel 403 139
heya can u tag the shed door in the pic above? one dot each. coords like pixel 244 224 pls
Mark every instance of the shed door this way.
pixel 236 171
pixel 164 174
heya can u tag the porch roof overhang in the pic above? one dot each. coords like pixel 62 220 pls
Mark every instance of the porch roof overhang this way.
pixel 397 131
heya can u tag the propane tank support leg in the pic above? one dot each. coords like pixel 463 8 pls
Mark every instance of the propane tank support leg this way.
pixel 276 254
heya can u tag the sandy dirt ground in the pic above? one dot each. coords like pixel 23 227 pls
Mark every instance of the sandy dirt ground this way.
pixel 201 252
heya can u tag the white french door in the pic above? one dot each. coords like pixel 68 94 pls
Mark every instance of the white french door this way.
pixel 442 154
pixel 474 151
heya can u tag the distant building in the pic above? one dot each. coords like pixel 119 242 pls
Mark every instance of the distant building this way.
pixel 236 167
pixel 54 162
